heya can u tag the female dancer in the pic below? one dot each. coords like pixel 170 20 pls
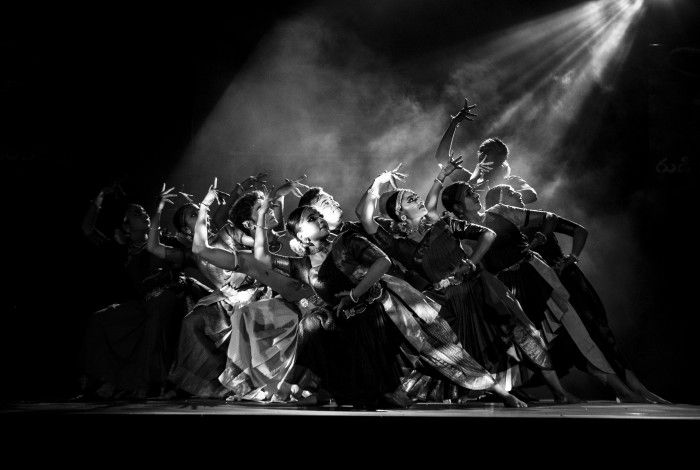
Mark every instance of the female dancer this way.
pixel 204 339
pixel 272 353
pixel 129 347
pixel 376 313
pixel 536 286
pixel 488 322
pixel 583 295
pixel 492 167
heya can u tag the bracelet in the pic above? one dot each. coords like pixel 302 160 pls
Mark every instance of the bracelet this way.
pixel 261 226
pixel 373 192
pixel 205 205
pixel 574 258
pixel 438 180
pixel 352 298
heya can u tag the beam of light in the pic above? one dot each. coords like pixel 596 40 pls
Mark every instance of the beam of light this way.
pixel 545 71
pixel 314 99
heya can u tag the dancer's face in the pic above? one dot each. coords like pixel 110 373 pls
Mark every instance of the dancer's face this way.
pixel 413 206
pixel 270 219
pixel 190 218
pixel 312 227
pixel 471 202
pixel 511 197
pixel 137 218
pixel 328 207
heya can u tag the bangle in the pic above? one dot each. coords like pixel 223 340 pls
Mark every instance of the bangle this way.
pixel 574 258
pixel 205 205
pixel 352 298
pixel 261 226
pixel 438 180
pixel 373 192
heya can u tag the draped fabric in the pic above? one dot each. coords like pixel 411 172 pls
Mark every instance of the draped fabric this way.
pixel 133 345
pixel 546 301
pixel 488 321
pixel 204 338
pixel 431 336
pixel 261 351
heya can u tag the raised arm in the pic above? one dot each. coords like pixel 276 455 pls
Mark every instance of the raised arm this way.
pixel 200 241
pixel 431 200
pixel 261 251
pixel 154 245
pixel 444 150
pixel 220 216
pixel 368 203
pixel 295 187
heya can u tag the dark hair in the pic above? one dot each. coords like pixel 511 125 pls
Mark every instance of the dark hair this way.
pixel 493 196
pixel 242 209
pixel 454 193
pixel 390 207
pixel 495 150
pixel 179 217
pixel 294 219
pixel 309 196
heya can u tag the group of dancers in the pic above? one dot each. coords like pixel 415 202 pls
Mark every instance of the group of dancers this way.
pixel 407 303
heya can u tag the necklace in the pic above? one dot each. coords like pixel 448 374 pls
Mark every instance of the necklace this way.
pixel 421 228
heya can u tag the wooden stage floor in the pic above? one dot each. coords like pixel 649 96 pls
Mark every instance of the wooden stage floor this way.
pixel 542 409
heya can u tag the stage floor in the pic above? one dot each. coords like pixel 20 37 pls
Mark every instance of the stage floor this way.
pixel 543 409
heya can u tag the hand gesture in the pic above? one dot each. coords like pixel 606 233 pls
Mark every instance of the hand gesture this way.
pixel 166 197
pixel 391 176
pixel 452 165
pixel 483 168
pixel 344 304
pixel 295 187
pixel 465 112
pixel 251 182
pixel 213 194
pixel 269 221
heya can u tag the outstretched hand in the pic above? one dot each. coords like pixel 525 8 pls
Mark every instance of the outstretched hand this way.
pixel 465 112
pixel 391 176
pixel 166 196
pixel 452 165
pixel 296 186
pixel 213 194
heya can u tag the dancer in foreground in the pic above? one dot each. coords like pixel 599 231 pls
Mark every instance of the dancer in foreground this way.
pixel 376 313
pixel 488 321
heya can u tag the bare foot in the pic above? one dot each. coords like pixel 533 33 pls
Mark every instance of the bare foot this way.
pixel 513 402
pixel 636 385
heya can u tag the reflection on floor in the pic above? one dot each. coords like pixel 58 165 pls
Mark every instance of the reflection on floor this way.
pixel 542 409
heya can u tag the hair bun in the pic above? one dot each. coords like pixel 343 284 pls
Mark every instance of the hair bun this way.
pixel 383 198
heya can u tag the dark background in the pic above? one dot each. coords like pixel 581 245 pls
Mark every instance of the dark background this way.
pixel 88 94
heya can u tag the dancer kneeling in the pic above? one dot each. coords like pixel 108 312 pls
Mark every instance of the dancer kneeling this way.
pixel 270 350
pixel 376 315
pixel 488 321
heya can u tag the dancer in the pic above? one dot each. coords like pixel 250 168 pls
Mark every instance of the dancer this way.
pixel 536 286
pixel 492 167
pixel 273 355
pixel 376 313
pixel 583 295
pixel 129 347
pixel 488 321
